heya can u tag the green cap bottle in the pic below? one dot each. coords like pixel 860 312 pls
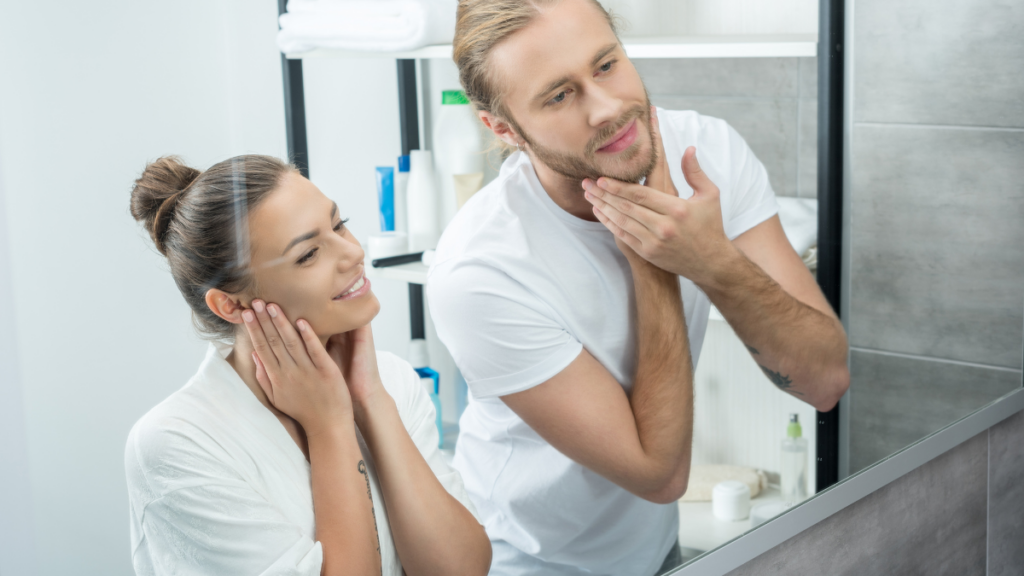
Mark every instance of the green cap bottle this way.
pixel 454 97
pixel 794 430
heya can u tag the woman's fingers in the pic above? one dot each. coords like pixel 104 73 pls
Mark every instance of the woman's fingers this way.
pixel 270 333
pixel 317 353
pixel 263 378
pixel 292 343
pixel 259 341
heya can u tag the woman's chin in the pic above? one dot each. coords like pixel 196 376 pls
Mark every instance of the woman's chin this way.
pixel 357 314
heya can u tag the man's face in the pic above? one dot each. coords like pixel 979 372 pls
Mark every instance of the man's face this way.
pixel 574 97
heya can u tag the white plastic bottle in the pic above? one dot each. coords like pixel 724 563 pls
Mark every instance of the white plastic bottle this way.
pixel 401 195
pixel 793 473
pixel 421 202
pixel 458 147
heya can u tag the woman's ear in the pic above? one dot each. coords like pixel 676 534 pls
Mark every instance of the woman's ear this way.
pixel 225 305
pixel 501 128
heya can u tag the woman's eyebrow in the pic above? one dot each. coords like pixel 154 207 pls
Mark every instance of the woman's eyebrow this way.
pixel 303 238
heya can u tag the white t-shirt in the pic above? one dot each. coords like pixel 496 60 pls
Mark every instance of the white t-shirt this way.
pixel 216 485
pixel 517 289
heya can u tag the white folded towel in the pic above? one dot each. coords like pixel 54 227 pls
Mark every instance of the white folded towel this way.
pixel 799 218
pixel 369 25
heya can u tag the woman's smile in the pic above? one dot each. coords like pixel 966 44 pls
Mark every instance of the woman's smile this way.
pixel 358 288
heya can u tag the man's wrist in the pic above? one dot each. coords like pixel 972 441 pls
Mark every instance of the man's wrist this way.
pixel 723 270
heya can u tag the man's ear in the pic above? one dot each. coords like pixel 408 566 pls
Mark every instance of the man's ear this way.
pixel 501 128
pixel 227 306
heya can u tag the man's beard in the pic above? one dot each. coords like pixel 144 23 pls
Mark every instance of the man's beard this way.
pixel 585 165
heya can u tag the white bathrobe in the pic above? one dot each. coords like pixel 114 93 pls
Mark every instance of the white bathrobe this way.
pixel 216 484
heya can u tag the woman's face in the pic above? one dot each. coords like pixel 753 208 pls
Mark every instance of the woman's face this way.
pixel 306 261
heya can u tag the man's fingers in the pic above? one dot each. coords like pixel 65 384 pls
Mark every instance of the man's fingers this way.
pixel 630 240
pixel 634 193
pixel 693 173
pixel 631 216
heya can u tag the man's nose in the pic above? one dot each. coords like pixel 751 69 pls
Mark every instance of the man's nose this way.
pixel 604 107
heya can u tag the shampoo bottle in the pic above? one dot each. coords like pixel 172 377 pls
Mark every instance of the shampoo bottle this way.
pixel 793 475
pixel 458 149
pixel 421 202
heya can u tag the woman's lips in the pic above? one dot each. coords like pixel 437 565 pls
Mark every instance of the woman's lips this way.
pixel 622 141
pixel 361 286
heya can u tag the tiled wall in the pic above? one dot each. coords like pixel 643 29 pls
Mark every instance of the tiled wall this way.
pixel 962 513
pixel 936 254
pixel 771 102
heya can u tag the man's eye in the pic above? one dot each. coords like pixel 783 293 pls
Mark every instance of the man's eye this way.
pixel 340 225
pixel 559 97
pixel 607 66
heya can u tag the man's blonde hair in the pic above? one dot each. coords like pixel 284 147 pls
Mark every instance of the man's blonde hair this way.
pixel 479 26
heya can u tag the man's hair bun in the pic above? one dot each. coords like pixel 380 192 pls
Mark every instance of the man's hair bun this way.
pixel 156 195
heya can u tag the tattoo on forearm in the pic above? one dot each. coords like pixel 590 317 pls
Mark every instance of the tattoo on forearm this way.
pixel 362 470
pixel 781 381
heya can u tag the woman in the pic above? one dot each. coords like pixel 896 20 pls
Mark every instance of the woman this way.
pixel 296 448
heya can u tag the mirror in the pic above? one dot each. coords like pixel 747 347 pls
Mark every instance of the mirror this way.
pixel 933 272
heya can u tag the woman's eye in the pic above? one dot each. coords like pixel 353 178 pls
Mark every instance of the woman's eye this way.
pixel 340 225
pixel 607 66
pixel 559 97
pixel 306 257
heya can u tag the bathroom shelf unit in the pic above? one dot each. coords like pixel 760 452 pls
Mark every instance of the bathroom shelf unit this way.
pixel 413 272
pixel 748 46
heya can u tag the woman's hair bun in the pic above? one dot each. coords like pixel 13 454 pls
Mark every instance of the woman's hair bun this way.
pixel 157 192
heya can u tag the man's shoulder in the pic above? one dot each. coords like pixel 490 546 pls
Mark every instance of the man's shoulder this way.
pixel 490 223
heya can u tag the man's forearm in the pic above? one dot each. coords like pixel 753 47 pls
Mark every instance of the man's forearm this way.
pixel 662 394
pixel 801 350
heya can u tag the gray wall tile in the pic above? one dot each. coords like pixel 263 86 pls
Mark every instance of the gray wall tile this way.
pixel 948 63
pixel 807 177
pixel 931 521
pixel 895 401
pixel 936 264
pixel 1006 498
pixel 768 125
pixel 749 77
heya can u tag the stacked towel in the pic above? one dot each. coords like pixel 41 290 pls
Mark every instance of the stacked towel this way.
pixel 369 25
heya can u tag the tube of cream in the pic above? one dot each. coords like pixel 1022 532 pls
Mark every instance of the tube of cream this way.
pixel 466 185
pixel 386 197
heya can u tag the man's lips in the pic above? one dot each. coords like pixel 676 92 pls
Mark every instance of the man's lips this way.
pixel 622 140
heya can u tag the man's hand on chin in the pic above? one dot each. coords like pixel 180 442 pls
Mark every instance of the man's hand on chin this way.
pixel 682 236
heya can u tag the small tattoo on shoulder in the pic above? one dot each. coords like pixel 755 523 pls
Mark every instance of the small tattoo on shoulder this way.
pixel 781 381
pixel 753 351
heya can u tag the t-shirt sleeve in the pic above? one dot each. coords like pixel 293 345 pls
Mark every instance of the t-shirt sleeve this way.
pixel 420 420
pixel 751 199
pixel 504 338
pixel 193 515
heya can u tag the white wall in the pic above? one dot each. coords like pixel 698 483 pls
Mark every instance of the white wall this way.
pixel 90 93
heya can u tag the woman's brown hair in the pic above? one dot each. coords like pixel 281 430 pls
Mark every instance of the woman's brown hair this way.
pixel 199 222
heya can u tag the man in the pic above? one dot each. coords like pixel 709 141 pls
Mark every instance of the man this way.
pixel 572 297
